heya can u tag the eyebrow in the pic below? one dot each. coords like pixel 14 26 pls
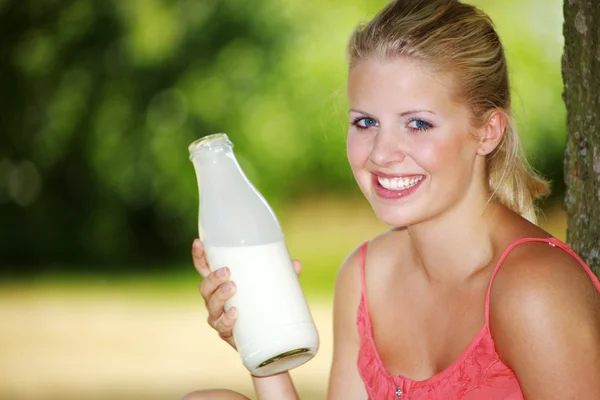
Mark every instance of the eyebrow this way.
pixel 359 111
pixel 402 114
pixel 405 113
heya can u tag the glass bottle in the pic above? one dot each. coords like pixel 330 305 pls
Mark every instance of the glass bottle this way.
pixel 274 331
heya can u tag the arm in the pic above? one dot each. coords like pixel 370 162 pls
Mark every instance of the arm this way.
pixel 275 387
pixel 545 320
pixel 345 382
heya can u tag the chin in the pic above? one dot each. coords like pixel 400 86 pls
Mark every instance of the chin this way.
pixel 398 217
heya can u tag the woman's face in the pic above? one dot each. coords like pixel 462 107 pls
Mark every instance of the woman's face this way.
pixel 410 144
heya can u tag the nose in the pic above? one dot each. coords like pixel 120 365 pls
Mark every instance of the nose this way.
pixel 388 148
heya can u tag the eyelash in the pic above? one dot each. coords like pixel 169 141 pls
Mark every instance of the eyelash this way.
pixel 357 120
pixel 427 126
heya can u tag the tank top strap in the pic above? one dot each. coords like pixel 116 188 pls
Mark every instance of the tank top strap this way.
pixel 363 282
pixel 552 242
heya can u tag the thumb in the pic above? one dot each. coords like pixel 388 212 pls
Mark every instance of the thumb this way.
pixel 297 266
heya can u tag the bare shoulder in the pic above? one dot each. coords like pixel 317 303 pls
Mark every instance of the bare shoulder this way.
pixel 537 275
pixel 348 277
pixel 377 248
pixel 544 315
pixel 345 381
pixel 348 288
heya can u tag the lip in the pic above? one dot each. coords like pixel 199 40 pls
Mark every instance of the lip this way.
pixel 394 194
pixel 389 176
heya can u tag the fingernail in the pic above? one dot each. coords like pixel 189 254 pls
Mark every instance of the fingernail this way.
pixel 227 287
pixel 231 313
pixel 221 272
pixel 196 243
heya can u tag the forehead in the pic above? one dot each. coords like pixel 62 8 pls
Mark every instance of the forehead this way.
pixel 399 83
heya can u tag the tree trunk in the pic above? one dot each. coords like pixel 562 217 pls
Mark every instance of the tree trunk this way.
pixel 581 76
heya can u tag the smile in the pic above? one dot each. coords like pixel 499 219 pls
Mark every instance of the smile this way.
pixel 399 183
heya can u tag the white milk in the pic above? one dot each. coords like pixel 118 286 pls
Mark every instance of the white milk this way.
pixel 274 327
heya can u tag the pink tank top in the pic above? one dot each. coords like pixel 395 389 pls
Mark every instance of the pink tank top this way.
pixel 477 374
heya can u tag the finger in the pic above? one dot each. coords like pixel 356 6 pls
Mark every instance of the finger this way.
pixel 225 325
pixel 199 258
pixel 297 266
pixel 216 304
pixel 212 281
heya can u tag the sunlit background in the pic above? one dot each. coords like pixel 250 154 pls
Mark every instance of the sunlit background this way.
pixel 98 200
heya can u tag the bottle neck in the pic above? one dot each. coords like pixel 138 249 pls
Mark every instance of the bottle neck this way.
pixel 214 159
pixel 217 167
pixel 211 144
pixel 232 211
pixel 212 154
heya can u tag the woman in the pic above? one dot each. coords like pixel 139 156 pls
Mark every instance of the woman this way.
pixel 465 297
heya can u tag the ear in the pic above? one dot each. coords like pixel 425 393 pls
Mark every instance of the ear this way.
pixel 492 132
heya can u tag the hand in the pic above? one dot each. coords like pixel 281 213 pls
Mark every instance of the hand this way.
pixel 216 289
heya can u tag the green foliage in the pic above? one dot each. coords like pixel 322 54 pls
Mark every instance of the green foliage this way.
pixel 101 99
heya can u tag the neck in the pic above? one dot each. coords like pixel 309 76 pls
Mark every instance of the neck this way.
pixel 456 244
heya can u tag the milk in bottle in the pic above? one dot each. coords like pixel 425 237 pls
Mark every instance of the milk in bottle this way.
pixel 274 331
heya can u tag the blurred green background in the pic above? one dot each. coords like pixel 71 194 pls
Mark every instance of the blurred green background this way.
pixel 98 200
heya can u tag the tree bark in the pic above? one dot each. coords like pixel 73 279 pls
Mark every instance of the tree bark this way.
pixel 581 76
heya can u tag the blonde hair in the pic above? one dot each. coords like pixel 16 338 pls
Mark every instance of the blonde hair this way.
pixel 452 37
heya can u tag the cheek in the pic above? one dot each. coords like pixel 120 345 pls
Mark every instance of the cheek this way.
pixel 442 155
pixel 434 154
pixel 357 149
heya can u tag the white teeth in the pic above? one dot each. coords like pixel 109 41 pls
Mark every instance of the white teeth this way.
pixel 399 183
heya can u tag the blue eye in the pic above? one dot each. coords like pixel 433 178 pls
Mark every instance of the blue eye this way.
pixel 419 125
pixel 370 122
pixel 364 122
